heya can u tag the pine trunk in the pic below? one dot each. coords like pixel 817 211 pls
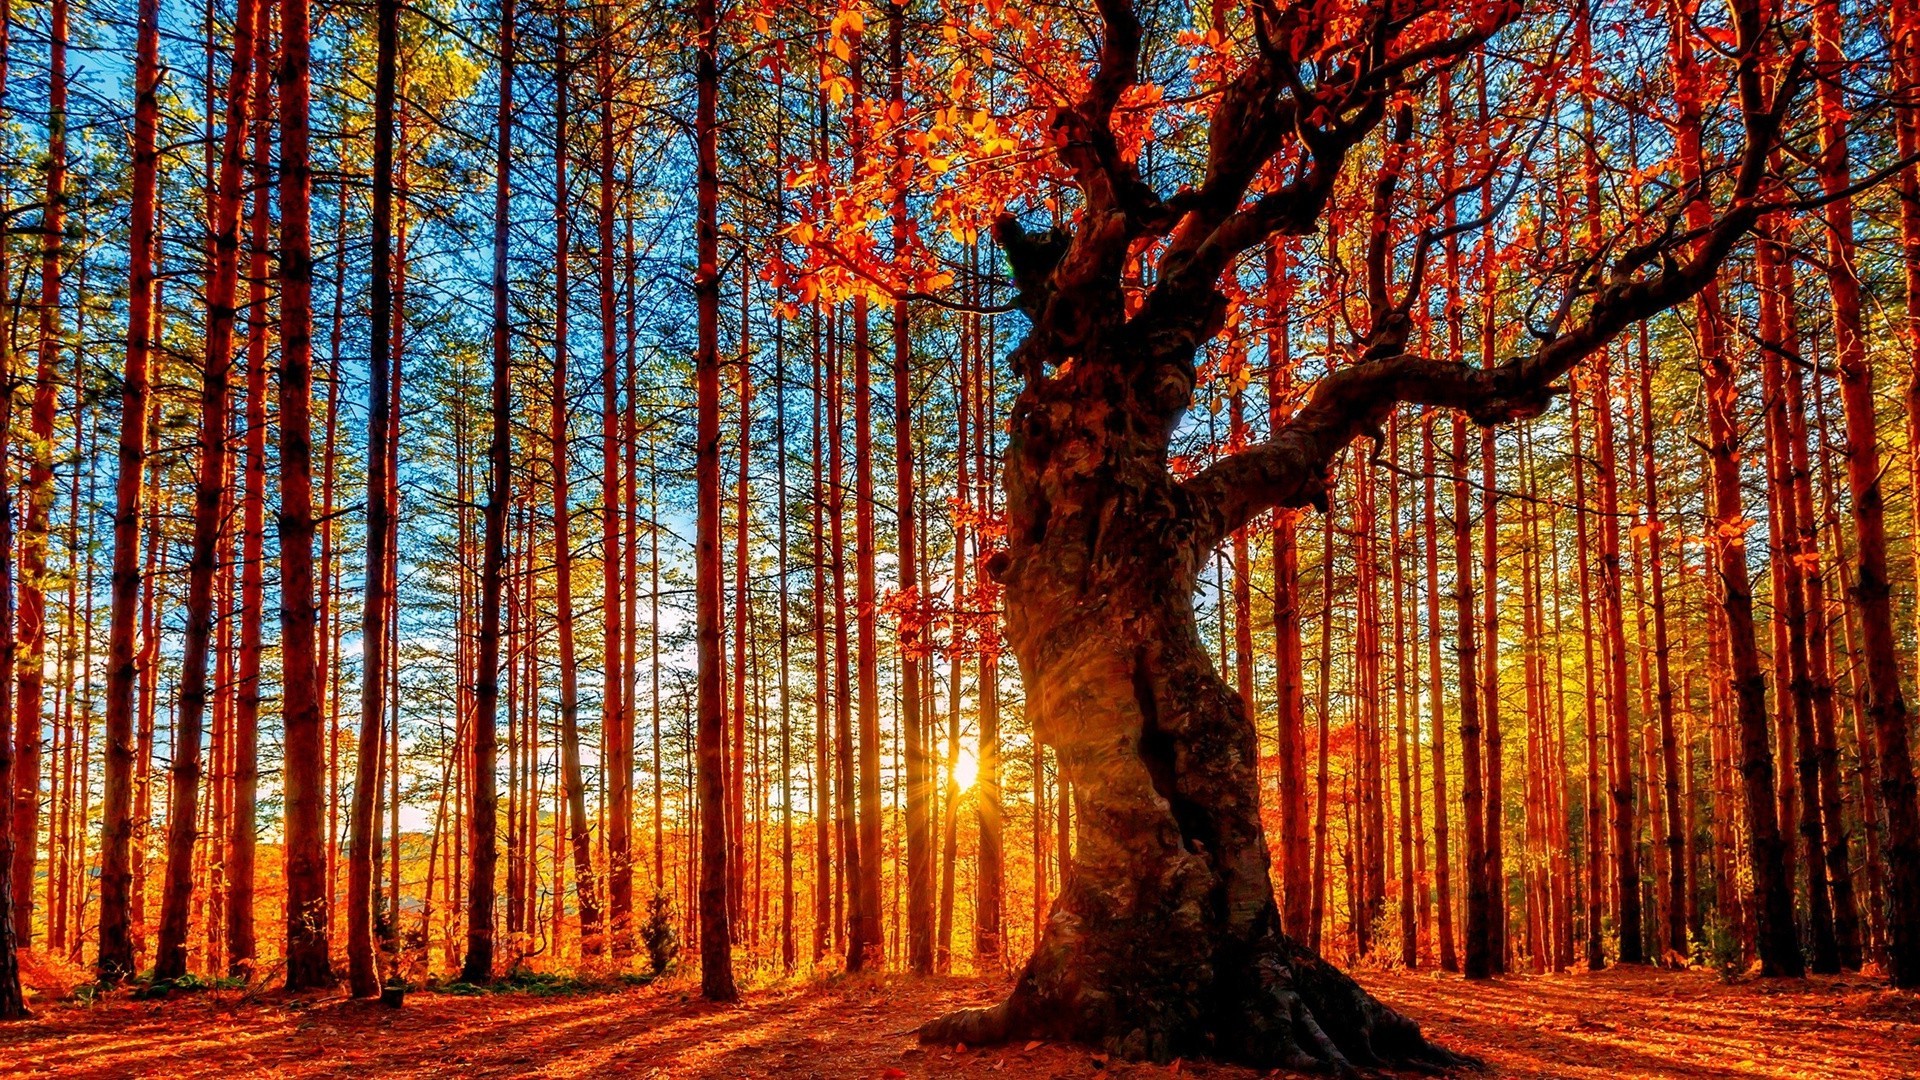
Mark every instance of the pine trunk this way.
pixel 116 955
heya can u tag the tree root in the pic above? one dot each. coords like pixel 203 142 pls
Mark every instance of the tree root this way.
pixel 1288 1009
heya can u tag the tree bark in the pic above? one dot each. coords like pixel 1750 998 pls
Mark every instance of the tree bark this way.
pixel 116 957
pixel 302 780
pixel 716 959
pixel 363 975
pixel 616 713
pixel 483 817
pixel 586 891
pixel 1873 587
pixel 12 1002
pixel 1626 860
pixel 32 632
pixel 170 961
pixel 919 823
pixel 245 743
pixel 1166 939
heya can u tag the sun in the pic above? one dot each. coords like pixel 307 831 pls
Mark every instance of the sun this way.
pixel 966 769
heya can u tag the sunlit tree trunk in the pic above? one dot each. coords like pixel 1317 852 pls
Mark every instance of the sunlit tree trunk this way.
pixel 1436 702
pixel 586 891
pixel 170 960
pixel 246 719
pixel 116 955
pixel 616 714
pixel 1773 897
pixel 31 635
pixel 1873 588
pixel 716 960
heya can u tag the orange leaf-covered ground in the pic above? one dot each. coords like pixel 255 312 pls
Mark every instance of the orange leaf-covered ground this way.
pixel 1624 1023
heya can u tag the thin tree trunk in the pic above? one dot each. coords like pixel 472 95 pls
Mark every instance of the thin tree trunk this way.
pixel 1873 588
pixel 919 773
pixel 12 1002
pixel 170 961
pixel 586 892
pixel 1436 699
pixel 1479 934
pixel 483 816
pixel 616 716
pixel 1626 862
pixel 246 725
pixel 32 627
pixel 116 954
pixel 362 972
pixel 1678 827
pixel 716 960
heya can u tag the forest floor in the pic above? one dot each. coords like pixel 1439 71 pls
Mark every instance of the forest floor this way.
pixel 1621 1023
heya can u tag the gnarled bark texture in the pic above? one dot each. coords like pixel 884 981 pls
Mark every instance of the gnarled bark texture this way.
pixel 1167 942
pixel 1166 939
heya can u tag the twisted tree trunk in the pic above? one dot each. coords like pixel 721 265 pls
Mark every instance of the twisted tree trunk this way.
pixel 1167 940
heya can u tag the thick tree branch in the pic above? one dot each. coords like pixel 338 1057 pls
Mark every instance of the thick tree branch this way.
pixel 1291 468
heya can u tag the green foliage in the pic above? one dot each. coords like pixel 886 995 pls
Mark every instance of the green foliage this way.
pixel 662 941
pixel 151 989
pixel 1717 946
pixel 540 984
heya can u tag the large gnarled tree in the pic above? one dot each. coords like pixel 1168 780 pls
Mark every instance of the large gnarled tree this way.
pixel 1167 941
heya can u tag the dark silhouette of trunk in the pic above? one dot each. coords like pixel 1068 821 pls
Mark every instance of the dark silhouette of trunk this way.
pixel 823 760
pixel 363 975
pixel 1291 732
pixel 848 897
pixel 1493 839
pixel 303 780
pixel 116 954
pixel 989 920
pixel 867 941
pixel 1819 643
pixel 957 644
pixel 716 947
pixel 1626 860
pixel 1905 19
pixel 483 815
pixel 919 772
pixel 1679 825
pixel 789 954
pixel 742 615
